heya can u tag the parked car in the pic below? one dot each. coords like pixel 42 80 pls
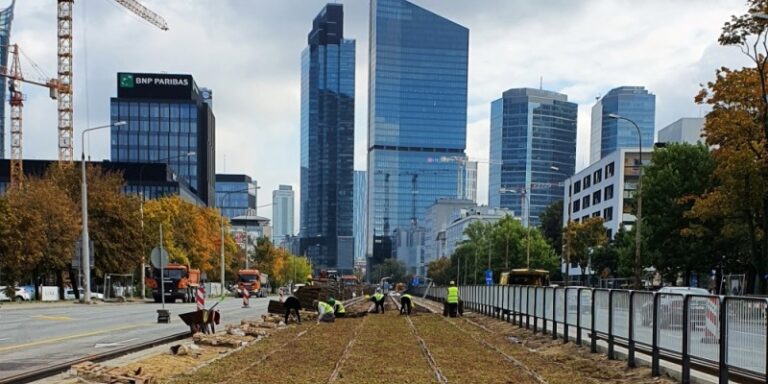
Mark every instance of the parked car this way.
pixel 671 308
pixel 69 294
pixel 21 294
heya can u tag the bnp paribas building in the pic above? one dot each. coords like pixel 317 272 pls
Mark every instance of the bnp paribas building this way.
pixel 170 120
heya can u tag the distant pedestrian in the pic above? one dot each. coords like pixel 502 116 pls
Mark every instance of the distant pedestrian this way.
pixel 292 303
pixel 406 304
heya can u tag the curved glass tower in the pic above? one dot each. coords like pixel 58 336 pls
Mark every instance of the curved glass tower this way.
pixel 417 122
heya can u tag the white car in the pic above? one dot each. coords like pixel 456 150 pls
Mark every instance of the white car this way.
pixel 20 295
pixel 69 294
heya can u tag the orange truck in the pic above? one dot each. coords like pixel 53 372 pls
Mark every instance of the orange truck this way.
pixel 179 283
pixel 250 280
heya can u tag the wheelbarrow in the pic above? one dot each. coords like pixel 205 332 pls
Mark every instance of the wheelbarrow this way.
pixel 202 321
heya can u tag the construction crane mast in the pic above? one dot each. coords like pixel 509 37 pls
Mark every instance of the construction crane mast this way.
pixel 64 63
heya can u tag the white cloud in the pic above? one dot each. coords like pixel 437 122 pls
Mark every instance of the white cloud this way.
pixel 248 52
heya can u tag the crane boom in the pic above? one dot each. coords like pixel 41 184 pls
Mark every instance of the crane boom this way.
pixel 144 12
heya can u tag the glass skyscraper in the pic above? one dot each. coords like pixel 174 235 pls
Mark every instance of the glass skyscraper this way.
pixel 417 117
pixel 532 131
pixel 235 195
pixel 167 121
pixel 6 17
pixel 608 134
pixel 282 213
pixel 359 222
pixel 327 142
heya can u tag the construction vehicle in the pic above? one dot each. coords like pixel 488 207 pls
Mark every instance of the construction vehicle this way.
pixel 350 280
pixel 180 283
pixel 249 280
pixel 525 276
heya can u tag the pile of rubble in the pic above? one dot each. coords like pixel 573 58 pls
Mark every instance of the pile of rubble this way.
pixel 96 372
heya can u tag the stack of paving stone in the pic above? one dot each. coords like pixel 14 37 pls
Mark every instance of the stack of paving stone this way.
pixel 96 372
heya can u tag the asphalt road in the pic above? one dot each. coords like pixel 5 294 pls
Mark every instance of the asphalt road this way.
pixel 34 336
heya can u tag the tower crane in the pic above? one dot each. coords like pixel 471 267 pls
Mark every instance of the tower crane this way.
pixel 64 53
pixel 16 101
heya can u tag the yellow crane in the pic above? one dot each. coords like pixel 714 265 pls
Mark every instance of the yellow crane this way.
pixel 64 64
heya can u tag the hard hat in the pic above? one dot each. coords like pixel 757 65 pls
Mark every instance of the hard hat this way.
pixel 331 301
pixel 453 282
pixel 367 297
pixel 309 277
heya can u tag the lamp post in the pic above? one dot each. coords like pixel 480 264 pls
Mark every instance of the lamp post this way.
pixel 639 194
pixel 85 243
pixel 525 206
pixel 141 209
pixel 221 210
pixel 566 243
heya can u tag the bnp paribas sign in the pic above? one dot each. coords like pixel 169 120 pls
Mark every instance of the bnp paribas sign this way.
pixel 154 86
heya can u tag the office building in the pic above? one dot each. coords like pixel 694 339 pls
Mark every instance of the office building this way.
pixel 609 134
pixel 282 213
pixel 533 149
pixel 167 121
pixel 417 113
pixel 359 208
pixel 6 18
pixel 327 141
pixel 685 130
pixel 436 220
pixel 469 181
pixel 235 194
pixel 463 218
pixel 150 181
pixel 605 189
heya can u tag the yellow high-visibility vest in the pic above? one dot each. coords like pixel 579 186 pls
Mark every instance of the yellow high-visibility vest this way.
pixel 453 295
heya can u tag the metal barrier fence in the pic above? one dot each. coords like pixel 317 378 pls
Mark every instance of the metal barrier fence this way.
pixel 720 335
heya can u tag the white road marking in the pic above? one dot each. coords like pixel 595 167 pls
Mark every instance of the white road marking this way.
pixel 112 345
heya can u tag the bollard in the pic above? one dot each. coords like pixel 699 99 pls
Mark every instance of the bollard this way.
pixel 200 298
pixel 246 297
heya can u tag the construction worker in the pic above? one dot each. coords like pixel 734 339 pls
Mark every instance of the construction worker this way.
pixel 338 307
pixel 324 312
pixel 406 304
pixel 309 280
pixel 378 299
pixel 452 299
pixel 292 303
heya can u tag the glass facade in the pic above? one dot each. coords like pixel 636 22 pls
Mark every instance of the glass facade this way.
pixel 417 116
pixel 360 211
pixel 531 131
pixel 327 140
pixel 609 134
pixel 235 195
pixel 282 213
pixel 6 17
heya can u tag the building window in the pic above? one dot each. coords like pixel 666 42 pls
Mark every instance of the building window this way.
pixel 596 197
pixel 608 192
pixel 609 233
pixel 608 214
pixel 598 176
pixel 609 169
pixel 585 201
pixel 596 214
pixel 577 187
pixel 587 181
pixel 576 206
pixel 584 217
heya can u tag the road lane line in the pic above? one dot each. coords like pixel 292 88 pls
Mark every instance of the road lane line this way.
pixel 62 338
pixel 59 318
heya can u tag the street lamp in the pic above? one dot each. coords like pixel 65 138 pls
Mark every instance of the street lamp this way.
pixel 141 209
pixel 639 193
pixel 85 243
pixel 566 243
pixel 524 205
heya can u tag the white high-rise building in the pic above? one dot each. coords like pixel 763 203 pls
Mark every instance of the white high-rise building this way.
pixel 282 213
pixel 684 130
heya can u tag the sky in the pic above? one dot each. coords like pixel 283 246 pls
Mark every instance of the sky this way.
pixel 248 52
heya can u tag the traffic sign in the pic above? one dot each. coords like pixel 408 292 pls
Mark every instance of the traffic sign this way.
pixel 159 260
pixel 488 277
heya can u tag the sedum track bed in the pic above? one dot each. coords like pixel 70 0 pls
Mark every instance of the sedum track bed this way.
pixel 386 352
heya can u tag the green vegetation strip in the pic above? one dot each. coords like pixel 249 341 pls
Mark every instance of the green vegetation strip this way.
pixel 464 360
pixel 386 352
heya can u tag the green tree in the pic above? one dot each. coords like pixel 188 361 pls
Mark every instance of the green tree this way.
pixel 440 271
pixel 582 238
pixel 294 269
pixel 552 225
pixel 676 176
pixel 392 268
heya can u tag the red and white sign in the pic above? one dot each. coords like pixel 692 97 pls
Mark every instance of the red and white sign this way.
pixel 200 298
pixel 712 321
pixel 246 297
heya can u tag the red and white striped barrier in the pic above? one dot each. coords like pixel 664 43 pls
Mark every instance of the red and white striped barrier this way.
pixel 200 298
pixel 246 297
pixel 712 322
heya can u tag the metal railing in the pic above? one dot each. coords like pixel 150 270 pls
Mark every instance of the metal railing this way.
pixel 720 335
